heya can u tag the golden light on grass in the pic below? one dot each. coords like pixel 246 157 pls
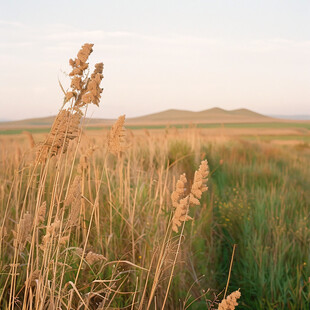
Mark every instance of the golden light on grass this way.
pixel 83 229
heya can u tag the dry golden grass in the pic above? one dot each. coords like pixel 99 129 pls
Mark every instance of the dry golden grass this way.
pixel 182 203
pixel 100 219
pixel 125 222
pixel 82 229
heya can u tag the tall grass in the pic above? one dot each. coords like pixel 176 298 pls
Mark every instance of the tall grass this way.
pixel 262 204
pixel 86 223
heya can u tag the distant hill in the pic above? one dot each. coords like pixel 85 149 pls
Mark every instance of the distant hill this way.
pixel 31 122
pixel 214 115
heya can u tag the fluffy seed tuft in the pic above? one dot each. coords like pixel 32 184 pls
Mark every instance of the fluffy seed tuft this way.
pixel 116 141
pixel 182 203
pixel 74 199
pixel 230 302
pixel 92 257
pixel 23 231
pixel 41 213
pixel 64 129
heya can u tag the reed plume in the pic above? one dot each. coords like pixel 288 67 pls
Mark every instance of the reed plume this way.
pixel 179 190
pixel 74 199
pixel 92 257
pixel 79 64
pixel 199 184
pixel 230 302
pixel 22 235
pixel 52 231
pixel 64 129
pixel 84 90
pixel 181 203
pixel 116 141
pixel 41 213
pixel 78 83
pixel 93 90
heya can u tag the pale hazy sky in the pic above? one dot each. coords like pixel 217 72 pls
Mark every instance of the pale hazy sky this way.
pixel 158 55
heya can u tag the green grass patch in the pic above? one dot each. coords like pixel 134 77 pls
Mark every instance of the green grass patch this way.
pixel 20 131
pixel 272 125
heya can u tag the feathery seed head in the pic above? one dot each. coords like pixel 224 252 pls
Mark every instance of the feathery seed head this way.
pixel 74 199
pixel 52 231
pixel 84 52
pixel 116 137
pixel 64 129
pixel 182 203
pixel 85 90
pixel 179 190
pixel 92 258
pixel 98 69
pixel 93 90
pixel 23 231
pixel 41 213
pixel 230 302
pixel 76 83
pixel 199 184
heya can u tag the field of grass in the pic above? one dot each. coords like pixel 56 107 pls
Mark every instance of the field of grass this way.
pixel 122 219
pixel 258 198
pixel 301 128
pixel 265 131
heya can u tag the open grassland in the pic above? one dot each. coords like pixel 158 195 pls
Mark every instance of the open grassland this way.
pixel 110 253
pixel 299 131
pixel 115 219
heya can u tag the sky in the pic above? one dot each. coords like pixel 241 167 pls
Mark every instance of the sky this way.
pixel 158 55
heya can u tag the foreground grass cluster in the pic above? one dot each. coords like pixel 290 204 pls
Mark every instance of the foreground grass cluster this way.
pixel 258 198
pixel 89 223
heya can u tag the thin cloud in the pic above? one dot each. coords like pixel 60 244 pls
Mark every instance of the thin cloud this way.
pixel 175 68
pixel 11 23
pixel 15 44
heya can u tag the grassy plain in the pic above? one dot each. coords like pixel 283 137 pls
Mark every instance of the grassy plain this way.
pixel 258 198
